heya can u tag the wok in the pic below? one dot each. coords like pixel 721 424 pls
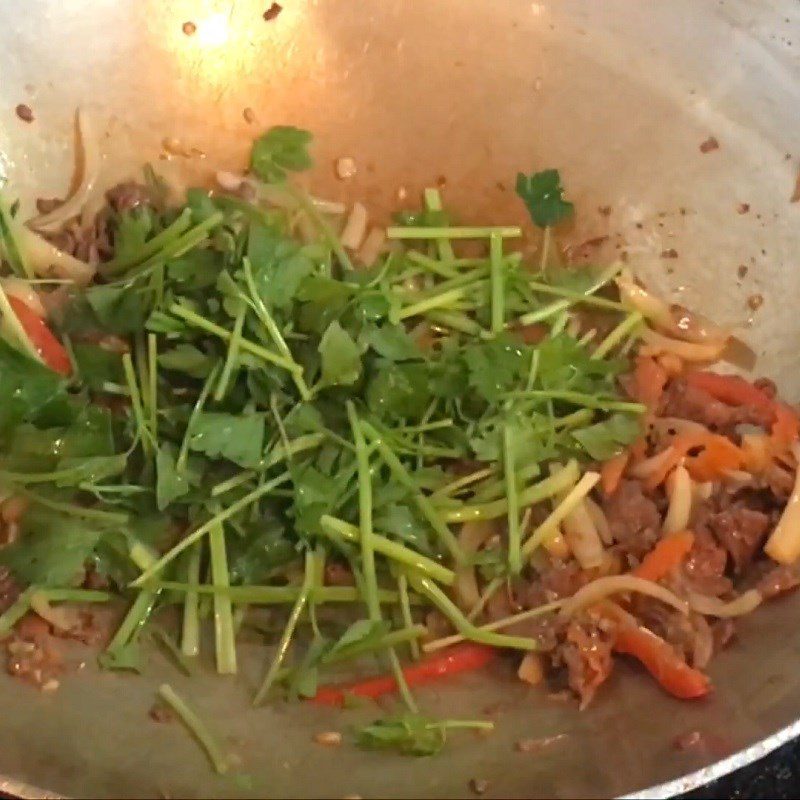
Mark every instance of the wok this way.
pixel 619 95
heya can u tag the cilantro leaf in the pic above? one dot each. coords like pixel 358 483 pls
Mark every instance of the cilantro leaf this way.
pixel 543 196
pixel 399 391
pixel 391 342
pixel 187 358
pixel 237 437
pixel 495 366
pixel 361 632
pixel 132 231
pixel 606 439
pixel 341 358
pixel 281 149
pixel 170 484
pixel 409 734
pixel 51 550
pixel 27 388
pixel 97 366
pixel 118 308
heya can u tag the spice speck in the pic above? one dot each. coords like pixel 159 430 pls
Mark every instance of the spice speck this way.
pixel 24 112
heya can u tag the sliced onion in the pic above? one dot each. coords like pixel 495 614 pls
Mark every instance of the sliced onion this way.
pixel 680 501
pixel 229 181
pixel 582 537
pixel 638 298
pixel 372 246
pixel 89 173
pixel 355 228
pixel 600 521
pixel 531 669
pixel 600 588
pixel 656 343
pixel 703 642
pixel 714 607
pixel 644 469
pixel 693 327
pixel 471 536
pixel 783 544
pixel 23 290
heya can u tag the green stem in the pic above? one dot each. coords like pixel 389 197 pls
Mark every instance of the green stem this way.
pixel 197 409
pixel 628 325
pixel 408 619
pixel 276 595
pixel 136 403
pixel 498 284
pixel 334 527
pixel 438 300
pixel 152 373
pixel 262 312
pixel 231 356
pixel 450 610
pixel 190 630
pixel 196 727
pixel 224 635
pixel 217 519
pixel 433 202
pixel 153 246
pixel 423 503
pixel 577 398
pixel 365 515
pixel 509 470
pixel 288 631
pixel 96 514
pixel 439 268
pixel 198 321
pixel 134 620
pixel 548 487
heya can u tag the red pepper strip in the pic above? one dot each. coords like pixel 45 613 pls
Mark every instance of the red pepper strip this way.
pixel 731 389
pixel 650 378
pixel 668 553
pixel 662 662
pixel 459 658
pixel 50 350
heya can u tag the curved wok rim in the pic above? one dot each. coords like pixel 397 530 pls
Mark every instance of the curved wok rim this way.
pixel 671 788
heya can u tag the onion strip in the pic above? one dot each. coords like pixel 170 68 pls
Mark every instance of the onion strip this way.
pixel 680 501
pixel 714 607
pixel 355 228
pixel 89 174
pixel 784 544
pixel 600 588
pixel 656 343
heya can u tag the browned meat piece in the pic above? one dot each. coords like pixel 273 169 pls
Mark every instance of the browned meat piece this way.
pixel 127 196
pixel 778 580
pixel 338 574
pixel 561 580
pixel 690 402
pixel 705 566
pixel 9 590
pixel 741 531
pixel 633 518
pixel 587 655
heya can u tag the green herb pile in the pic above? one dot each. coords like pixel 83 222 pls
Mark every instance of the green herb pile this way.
pixel 248 408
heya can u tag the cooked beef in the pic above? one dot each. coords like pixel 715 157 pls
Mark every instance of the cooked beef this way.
pixel 633 517
pixel 587 656
pixel 127 196
pixel 690 402
pixel 741 531
pixel 705 566
pixel 9 590
pixel 778 580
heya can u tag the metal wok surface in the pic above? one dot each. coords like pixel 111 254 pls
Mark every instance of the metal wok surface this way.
pixel 618 95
